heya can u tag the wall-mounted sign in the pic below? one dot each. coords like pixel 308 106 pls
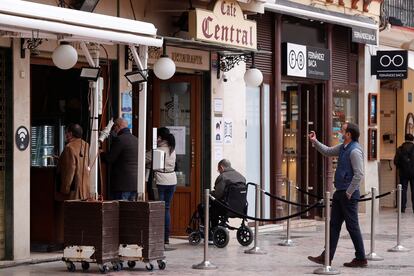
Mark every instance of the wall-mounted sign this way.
pixel 390 65
pixel 22 138
pixel 306 62
pixel 364 35
pixel 224 25
pixel 182 57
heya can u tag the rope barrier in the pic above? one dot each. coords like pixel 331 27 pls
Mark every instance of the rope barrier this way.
pixel 240 215
pixel 377 197
pixel 285 200
pixel 319 197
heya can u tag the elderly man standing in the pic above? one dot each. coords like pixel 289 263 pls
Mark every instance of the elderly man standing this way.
pixel 73 165
pixel 123 158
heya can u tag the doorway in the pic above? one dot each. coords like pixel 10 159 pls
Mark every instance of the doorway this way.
pixel 177 105
pixel 302 112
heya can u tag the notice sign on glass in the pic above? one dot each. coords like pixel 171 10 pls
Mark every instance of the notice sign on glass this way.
pixel 306 62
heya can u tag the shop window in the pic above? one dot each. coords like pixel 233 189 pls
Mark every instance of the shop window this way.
pixel 345 109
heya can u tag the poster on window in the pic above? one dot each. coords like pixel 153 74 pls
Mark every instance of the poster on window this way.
pixel 126 101
pixel 179 135
pixel 218 153
pixel 228 131
pixel 218 130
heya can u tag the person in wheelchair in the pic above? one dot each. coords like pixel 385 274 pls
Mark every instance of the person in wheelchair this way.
pixel 231 189
pixel 228 176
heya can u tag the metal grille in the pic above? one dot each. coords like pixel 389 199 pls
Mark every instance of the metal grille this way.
pixel 340 56
pixel 400 9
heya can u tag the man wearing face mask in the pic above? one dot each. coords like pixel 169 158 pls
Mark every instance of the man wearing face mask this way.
pixel 348 177
pixel 123 159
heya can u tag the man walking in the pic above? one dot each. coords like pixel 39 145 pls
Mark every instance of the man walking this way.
pixel 348 176
pixel 404 160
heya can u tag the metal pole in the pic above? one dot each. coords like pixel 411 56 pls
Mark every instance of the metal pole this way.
pixel 256 249
pixel 327 269
pixel 399 247
pixel 206 264
pixel 307 150
pixel 372 256
pixel 288 241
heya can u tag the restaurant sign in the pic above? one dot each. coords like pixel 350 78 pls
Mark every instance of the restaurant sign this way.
pixel 224 25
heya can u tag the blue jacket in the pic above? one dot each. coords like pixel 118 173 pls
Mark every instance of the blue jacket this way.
pixel 344 171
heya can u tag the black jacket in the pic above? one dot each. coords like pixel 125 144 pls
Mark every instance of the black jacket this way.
pixel 404 159
pixel 123 158
pixel 229 176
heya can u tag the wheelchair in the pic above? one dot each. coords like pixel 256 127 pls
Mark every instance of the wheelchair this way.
pixel 235 197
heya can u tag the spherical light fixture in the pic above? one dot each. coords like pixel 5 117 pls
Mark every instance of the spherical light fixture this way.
pixel 65 56
pixel 164 68
pixel 253 76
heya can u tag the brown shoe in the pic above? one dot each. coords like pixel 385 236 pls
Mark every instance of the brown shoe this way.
pixel 357 263
pixel 319 259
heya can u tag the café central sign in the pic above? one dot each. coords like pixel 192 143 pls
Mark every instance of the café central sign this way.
pixel 224 25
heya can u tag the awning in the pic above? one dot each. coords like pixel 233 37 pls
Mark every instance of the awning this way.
pixel 27 19
pixel 309 12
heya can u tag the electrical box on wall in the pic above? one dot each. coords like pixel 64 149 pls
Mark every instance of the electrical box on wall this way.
pixel 158 158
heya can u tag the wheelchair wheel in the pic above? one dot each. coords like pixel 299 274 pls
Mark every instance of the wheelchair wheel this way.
pixel 194 238
pixel 220 237
pixel 244 235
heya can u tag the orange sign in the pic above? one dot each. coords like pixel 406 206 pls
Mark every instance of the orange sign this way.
pixel 224 25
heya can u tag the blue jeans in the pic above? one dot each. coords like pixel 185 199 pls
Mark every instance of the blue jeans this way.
pixel 124 196
pixel 344 209
pixel 165 193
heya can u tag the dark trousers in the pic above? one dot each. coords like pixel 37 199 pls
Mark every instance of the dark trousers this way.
pixel 404 182
pixel 216 210
pixel 344 209
pixel 165 193
pixel 131 196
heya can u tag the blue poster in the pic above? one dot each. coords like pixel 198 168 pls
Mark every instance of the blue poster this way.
pixel 126 102
pixel 128 117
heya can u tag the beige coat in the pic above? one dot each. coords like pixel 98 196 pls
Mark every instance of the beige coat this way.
pixel 73 170
pixel 166 176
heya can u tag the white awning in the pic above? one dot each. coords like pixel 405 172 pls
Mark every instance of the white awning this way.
pixel 309 12
pixel 45 21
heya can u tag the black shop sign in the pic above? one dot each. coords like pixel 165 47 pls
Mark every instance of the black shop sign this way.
pixel 306 62
pixel 390 65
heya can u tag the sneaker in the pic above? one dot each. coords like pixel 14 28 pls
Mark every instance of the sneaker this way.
pixel 319 259
pixel 357 263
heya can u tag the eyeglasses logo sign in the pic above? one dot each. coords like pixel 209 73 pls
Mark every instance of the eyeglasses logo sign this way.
pixel 296 60
pixel 390 64
pixel 22 138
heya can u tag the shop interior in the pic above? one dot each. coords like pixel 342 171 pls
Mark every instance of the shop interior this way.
pixel 58 98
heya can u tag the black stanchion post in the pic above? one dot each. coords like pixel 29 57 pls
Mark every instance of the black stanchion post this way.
pixel 327 269
pixel 256 249
pixel 372 256
pixel 206 264
pixel 288 241
pixel 399 247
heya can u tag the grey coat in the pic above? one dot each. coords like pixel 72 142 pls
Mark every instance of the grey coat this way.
pixel 229 176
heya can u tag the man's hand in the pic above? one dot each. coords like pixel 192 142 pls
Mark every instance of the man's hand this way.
pixel 348 195
pixel 312 137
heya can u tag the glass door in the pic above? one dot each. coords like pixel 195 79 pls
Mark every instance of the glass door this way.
pixel 176 106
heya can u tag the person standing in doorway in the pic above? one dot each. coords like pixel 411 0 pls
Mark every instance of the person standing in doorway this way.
pixel 404 160
pixel 123 158
pixel 72 170
pixel 348 177
pixel 166 179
